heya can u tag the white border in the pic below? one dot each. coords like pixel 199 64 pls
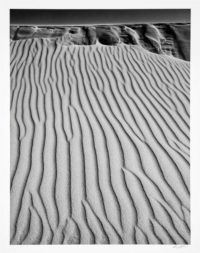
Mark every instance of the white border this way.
pixel 5 125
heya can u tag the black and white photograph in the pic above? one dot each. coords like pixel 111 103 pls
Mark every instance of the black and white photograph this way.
pixel 99 127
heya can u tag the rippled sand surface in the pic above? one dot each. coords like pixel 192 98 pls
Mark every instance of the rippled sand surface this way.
pixel 99 143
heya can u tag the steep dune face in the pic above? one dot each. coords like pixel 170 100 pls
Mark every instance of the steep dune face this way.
pixel 169 39
pixel 99 144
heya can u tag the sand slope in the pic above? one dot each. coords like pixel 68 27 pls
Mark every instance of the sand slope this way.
pixel 170 39
pixel 99 145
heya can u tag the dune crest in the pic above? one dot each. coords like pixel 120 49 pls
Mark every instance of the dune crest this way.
pixel 169 39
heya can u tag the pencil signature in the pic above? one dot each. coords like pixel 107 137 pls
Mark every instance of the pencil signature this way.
pixel 178 246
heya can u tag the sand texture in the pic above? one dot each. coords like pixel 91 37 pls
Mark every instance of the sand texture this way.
pixel 99 144
pixel 171 39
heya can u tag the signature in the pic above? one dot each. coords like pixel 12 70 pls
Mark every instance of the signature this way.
pixel 178 246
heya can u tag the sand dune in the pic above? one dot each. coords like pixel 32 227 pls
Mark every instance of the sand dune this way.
pixel 99 144
pixel 170 39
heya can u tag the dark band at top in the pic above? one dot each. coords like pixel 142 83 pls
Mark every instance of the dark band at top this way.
pixel 97 16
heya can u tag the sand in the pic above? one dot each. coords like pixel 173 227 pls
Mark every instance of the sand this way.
pixel 99 144
pixel 170 39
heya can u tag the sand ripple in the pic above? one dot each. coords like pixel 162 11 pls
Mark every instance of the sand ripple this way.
pixel 99 145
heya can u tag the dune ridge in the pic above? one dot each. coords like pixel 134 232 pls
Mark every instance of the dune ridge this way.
pixel 168 39
pixel 99 144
